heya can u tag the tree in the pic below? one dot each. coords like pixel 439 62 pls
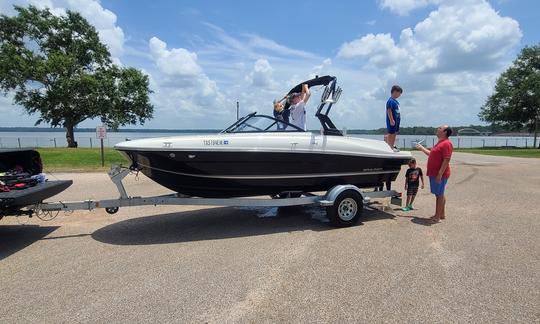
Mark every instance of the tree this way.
pixel 57 67
pixel 516 99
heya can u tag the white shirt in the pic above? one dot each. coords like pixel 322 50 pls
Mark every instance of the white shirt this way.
pixel 298 115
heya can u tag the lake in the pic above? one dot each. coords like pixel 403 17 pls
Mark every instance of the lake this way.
pixel 88 139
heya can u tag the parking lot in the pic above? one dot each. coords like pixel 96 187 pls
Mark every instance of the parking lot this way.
pixel 202 264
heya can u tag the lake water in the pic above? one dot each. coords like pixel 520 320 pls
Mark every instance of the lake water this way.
pixel 85 139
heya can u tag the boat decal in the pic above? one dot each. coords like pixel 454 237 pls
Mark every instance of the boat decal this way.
pixel 214 142
pixel 277 176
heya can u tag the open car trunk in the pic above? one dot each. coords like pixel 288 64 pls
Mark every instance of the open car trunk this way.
pixel 18 187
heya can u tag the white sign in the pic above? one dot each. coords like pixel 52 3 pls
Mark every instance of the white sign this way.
pixel 101 132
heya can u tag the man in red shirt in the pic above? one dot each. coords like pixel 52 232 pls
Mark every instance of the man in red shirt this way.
pixel 438 168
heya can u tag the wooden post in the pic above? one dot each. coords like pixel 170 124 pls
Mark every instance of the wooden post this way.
pixel 54 140
pixel 19 140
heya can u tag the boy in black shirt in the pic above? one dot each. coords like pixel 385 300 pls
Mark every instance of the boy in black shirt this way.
pixel 412 181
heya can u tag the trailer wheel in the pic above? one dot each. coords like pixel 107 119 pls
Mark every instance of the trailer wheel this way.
pixel 347 209
pixel 111 210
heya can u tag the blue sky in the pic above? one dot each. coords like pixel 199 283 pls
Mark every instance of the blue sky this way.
pixel 202 56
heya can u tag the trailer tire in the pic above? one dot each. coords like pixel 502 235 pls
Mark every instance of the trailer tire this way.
pixel 111 210
pixel 346 210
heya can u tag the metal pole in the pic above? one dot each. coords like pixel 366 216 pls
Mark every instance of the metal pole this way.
pixel 19 140
pixel 102 154
pixel 483 142
pixel 54 140
pixel 237 110
pixel 458 140
pixel 90 142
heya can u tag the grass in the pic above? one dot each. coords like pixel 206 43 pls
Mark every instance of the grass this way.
pixel 79 159
pixel 512 152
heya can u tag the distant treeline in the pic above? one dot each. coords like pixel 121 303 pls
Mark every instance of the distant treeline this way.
pixel 415 130
pixel 423 130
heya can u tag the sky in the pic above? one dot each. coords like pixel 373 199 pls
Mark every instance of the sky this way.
pixel 204 56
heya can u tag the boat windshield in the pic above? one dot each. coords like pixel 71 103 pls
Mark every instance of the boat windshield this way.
pixel 261 123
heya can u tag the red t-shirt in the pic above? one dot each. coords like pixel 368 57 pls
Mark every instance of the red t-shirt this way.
pixel 442 150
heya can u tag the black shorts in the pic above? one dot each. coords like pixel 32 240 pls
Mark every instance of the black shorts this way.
pixel 412 190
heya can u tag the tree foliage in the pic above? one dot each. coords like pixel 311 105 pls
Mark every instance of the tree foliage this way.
pixel 57 67
pixel 516 99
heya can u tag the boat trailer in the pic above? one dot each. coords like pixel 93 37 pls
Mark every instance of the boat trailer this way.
pixel 344 203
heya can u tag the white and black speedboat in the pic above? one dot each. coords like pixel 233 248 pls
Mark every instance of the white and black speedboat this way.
pixel 261 155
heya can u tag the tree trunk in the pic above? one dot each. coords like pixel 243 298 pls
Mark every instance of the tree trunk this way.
pixel 69 135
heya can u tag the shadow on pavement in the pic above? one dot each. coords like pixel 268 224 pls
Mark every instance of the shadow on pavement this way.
pixel 422 221
pixel 14 238
pixel 219 223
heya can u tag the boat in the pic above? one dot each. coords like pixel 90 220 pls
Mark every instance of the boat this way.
pixel 261 155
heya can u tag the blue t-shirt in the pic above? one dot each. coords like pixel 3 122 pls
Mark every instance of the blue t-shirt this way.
pixel 394 105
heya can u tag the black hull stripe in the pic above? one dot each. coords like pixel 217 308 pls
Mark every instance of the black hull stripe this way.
pixel 279 176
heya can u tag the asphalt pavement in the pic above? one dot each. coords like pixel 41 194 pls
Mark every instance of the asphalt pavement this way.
pixel 198 264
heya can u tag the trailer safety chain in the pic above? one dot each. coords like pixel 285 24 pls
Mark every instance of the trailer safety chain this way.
pixel 46 215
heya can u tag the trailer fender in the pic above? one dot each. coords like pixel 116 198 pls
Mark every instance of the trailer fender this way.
pixel 333 193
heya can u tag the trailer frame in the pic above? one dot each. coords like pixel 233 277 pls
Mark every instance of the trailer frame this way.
pixel 329 200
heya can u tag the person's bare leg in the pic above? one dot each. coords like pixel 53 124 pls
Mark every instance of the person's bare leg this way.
pixel 391 140
pixel 438 205
pixel 412 199
pixel 443 208
pixel 408 200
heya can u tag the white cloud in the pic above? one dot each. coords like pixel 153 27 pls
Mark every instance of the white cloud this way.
pixel 379 49
pixel 461 36
pixel 177 61
pixel 404 7
pixel 103 19
pixel 184 95
pixel 321 69
pixel 261 75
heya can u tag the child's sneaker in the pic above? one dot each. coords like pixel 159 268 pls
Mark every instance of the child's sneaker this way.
pixel 411 207
pixel 406 208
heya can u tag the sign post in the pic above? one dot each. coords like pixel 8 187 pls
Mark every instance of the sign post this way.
pixel 101 133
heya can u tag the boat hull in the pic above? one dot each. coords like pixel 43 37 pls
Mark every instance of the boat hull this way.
pixel 241 174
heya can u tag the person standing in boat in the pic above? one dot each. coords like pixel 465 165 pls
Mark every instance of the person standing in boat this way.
pixel 280 113
pixel 298 107
pixel 393 116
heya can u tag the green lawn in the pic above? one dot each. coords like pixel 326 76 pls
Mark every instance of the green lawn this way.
pixel 512 152
pixel 79 159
